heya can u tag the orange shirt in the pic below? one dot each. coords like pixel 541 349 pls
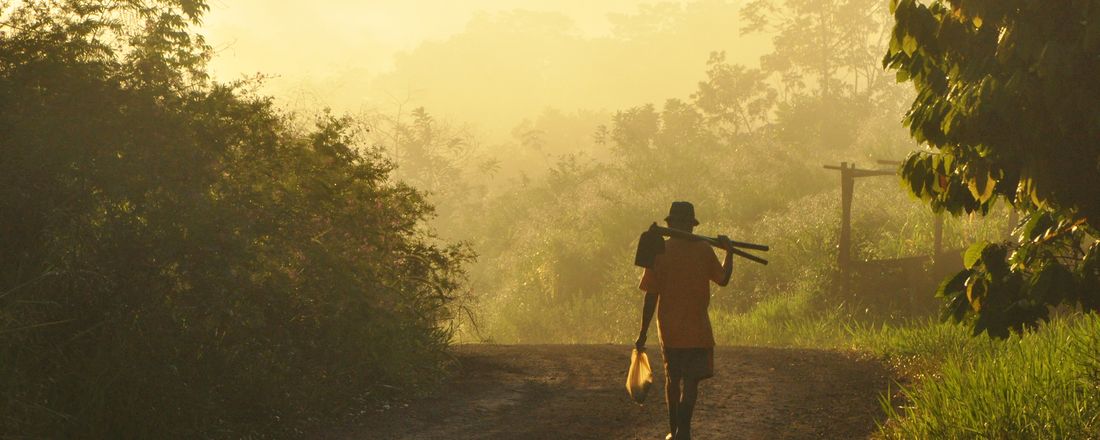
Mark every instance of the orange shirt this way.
pixel 681 277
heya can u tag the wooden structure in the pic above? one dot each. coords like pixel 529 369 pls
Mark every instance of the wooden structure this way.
pixel 911 277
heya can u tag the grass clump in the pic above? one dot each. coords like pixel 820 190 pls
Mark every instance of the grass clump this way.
pixel 1040 385
pixel 1044 384
pixel 794 320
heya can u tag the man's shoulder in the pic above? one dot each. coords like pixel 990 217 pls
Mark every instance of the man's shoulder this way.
pixel 686 244
pixel 684 252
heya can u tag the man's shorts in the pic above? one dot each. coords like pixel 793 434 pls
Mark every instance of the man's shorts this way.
pixel 689 363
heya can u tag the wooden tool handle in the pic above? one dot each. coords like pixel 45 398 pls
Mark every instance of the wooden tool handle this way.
pixel 669 232
pixel 748 256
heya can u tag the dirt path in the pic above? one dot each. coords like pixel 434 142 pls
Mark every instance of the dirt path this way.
pixel 577 392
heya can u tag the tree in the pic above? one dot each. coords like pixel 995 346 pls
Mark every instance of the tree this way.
pixel 179 259
pixel 1006 103
pixel 831 94
pixel 828 43
pixel 733 97
pixel 438 158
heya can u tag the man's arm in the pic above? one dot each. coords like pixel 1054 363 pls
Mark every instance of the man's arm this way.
pixel 647 315
pixel 727 266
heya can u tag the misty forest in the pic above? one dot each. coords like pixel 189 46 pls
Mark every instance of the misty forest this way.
pixel 335 219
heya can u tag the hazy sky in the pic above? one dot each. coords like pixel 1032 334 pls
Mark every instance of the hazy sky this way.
pixel 492 63
pixel 281 36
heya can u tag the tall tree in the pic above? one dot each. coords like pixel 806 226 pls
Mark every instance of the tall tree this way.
pixel 819 45
pixel 1006 103
pixel 830 89
pixel 736 100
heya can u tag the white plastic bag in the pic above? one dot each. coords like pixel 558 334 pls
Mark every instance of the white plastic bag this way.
pixel 639 377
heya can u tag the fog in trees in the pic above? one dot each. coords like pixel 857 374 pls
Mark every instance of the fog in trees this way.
pixel 251 218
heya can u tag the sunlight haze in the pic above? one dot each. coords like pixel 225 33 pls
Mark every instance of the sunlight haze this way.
pixel 513 58
pixel 468 219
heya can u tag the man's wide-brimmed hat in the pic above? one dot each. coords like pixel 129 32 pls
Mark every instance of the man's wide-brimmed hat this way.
pixel 682 212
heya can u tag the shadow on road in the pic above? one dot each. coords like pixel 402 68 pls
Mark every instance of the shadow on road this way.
pixel 577 392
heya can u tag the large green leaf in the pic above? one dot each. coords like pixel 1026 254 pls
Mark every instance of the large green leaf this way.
pixel 973 254
pixel 977 287
pixel 953 291
pixel 1037 226
pixel 909 45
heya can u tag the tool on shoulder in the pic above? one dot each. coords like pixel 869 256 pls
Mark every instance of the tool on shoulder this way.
pixel 652 243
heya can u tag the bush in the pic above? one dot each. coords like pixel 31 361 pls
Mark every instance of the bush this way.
pixel 179 260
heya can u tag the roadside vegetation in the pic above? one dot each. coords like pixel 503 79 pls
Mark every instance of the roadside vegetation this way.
pixel 1041 384
pixel 182 260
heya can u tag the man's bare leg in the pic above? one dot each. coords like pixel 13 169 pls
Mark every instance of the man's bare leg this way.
pixel 672 398
pixel 685 408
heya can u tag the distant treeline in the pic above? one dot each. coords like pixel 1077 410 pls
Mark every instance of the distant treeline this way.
pixel 747 146
pixel 178 258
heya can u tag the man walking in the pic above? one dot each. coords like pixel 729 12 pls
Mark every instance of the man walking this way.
pixel 677 286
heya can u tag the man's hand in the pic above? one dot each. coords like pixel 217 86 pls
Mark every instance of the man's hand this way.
pixel 727 266
pixel 640 342
pixel 725 242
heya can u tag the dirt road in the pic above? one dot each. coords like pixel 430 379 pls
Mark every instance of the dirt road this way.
pixel 577 392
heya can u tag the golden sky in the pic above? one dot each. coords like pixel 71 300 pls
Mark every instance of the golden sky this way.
pixel 292 36
pixel 491 63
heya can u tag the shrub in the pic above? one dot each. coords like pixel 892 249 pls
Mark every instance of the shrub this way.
pixel 179 260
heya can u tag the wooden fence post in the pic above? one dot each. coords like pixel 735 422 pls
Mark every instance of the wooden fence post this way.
pixel 844 245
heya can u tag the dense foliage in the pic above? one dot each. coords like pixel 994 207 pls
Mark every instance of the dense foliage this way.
pixel 1006 94
pixel 178 258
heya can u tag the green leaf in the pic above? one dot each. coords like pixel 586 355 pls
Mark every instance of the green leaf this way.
pixel 953 285
pixel 895 47
pixel 1037 226
pixel 1090 264
pixel 977 289
pixel 914 173
pixel 909 45
pixel 953 290
pixel 994 259
pixel 902 75
pixel 973 254
pixel 981 186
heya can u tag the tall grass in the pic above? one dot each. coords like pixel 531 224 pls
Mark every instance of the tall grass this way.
pixel 917 349
pixel 1044 384
pixel 792 320
pixel 1041 385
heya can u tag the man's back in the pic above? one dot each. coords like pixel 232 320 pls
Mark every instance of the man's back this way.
pixel 682 275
